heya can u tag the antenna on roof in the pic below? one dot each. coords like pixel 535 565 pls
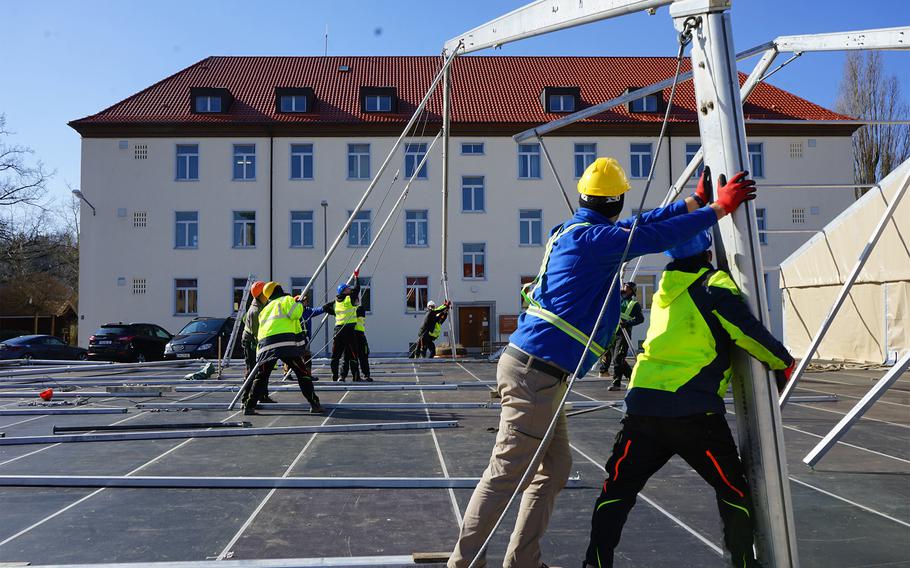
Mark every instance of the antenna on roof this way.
pixel 326 51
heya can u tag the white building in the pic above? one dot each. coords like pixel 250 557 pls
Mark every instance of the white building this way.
pixel 222 170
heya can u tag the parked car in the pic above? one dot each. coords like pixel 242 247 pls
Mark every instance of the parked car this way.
pixel 199 339
pixel 128 342
pixel 39 347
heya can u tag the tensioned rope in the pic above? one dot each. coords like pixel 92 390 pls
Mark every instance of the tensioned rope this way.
pixel 684 38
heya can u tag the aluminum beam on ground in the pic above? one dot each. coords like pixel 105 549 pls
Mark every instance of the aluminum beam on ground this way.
pixel 84 394
pixel 544 16
pixel 41 410
pixel 874 39
pixel 855 413
pixel 324 388
pixel 226 433
pixel 139 427
pixel 323 562
pixel 110 367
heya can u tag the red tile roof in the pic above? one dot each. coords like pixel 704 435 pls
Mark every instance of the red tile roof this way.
pixel 484 90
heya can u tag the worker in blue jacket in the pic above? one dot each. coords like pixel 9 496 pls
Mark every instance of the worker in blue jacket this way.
pixel 580 261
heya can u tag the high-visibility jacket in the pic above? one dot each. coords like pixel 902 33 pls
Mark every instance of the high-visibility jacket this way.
pixel 697 314
pixel 345 312
pixel 361 324
pixel 279 326
pixel 580 261
pixel 630 311
pixel 432 323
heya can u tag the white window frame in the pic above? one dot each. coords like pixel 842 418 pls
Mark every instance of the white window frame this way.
pixel 529 156
pixel 208 107
pixel 761 221
pixel 647 103
pixel 692 148
pixel 417 288
pixel 363 161
pixel 474 256
pixel 244 223
pixel 184 227
pixel 473 144
pixel 586 157
pixel 366 287
pixel 636 157
pixel 358 223
pixel 756 149
pixel 556 102
pixel 235 297
pixel 303 224
pixel 529 223
pixel 186 290
pixel 474 188
pixel 415 224
pixel 413 154
pixel 375 103
pixel 302 156
pixel 186 157
pixel 295 99
pixel 246 160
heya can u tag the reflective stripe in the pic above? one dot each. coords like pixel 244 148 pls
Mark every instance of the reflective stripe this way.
pixel 626 313
pixel 276 318
pixel 345 312
pixel 437 329
pixel 566 328
pixel 610 501
pixel 527 291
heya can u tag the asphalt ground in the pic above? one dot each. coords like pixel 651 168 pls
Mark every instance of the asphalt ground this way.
pixel 853 510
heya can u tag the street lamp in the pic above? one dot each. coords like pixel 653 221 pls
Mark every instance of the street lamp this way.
pixel 325 272
pixel 81 196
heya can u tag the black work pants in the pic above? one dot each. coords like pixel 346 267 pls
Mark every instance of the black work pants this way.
pixel 346 345
pixel 641 448
pixel 299 364
pixel 249 353
pixel 427 346
pixel 621 367
pixel 364 353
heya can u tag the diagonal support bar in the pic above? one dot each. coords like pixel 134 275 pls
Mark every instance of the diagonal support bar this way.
pixel 874 39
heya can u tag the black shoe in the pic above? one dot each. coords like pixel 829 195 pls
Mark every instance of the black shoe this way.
pixel 267 399
pixel 249 411
pixel 615 387
pixel 334 379
pixel 358 380
pixel 368 379
pixel 315 407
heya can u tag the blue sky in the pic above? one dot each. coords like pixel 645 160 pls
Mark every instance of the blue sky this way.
pixel 64 59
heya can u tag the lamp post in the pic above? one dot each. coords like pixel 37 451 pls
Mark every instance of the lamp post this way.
pixel 325 273
pixel 81 196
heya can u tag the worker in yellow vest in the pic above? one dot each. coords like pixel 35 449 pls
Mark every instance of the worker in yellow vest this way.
pixel 630 315
pixel 344 342
pixel 360 330
pixel 281 336
pixel 431 328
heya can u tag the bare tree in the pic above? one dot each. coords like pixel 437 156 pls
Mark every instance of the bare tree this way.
pixel 867 92
pixel 20 181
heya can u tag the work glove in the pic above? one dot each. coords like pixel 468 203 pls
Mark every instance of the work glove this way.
pixel 731 195
pixel 356 273
pixel 703 190
pixel 783 377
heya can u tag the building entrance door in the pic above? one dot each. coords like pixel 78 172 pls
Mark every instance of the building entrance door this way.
pixel 474 327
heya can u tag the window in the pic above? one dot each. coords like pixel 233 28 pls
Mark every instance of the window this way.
pixel 244 161
pixel 413 154
pixel 239 289
pixel 377 103
pixel 359 233
pixel 646 284
pixel 244 229
pixel 761 221
pixel 562 103
pixel 585 154
pixel 301 161
pixel 358 161
pixel 417 291
pixel 416 228
pixel 186 293
pixel 187 229
pixel 298 283
pixel 529 161
pixel 141 152
pixel 366 288
pixel 301 229
pixel 530 227
pixel 187 162
pixel 796 150
pixel 293 103
pixel 521 298
pixel 640 156
pixel 799 215
pixel 648 103
pixel 472 149
pixel 208 103
pixel 691 150
pixel 472 194
pixel 139 286
pixel 140 219
pixel 474 261
pixel 757 159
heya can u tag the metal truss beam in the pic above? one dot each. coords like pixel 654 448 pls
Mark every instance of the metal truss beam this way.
pixel 82 394
pixel 339 562
pixel 874 39
pixel 41 410
pixel 324 388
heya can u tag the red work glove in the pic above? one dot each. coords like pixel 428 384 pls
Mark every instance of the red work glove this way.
pixel 703 190
pixel 356 273
pixel 783 377
pixel 731 195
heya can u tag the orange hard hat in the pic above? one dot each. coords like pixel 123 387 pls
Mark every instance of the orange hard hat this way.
pixel 46 394
pixel 256 288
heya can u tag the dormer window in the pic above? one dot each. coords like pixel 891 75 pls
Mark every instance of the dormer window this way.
pixel 210 101
pixel 648 103
pixel 378 99
pixel 294 100
pixel 560 99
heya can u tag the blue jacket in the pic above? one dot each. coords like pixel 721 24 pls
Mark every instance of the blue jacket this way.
pixel 582 264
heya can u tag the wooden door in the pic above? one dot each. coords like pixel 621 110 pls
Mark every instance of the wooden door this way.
pixel 474 326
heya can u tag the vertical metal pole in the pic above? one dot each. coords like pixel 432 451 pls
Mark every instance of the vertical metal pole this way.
pixel 845 289
pixel 444 243
pixel 325 273
pixel 723 135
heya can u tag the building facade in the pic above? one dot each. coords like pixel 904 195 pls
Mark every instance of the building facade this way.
pixel 239 166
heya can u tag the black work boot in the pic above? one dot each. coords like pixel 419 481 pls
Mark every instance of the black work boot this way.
pixel 315 407
pixel 267 399
pixel 249 410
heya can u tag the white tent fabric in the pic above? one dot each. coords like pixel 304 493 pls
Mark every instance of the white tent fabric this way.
pixel 871 327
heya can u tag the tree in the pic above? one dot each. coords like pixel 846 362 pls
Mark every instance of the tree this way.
pixel 868 93
pixel 20 182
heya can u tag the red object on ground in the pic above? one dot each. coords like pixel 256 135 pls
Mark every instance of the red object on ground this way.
pixel 47 394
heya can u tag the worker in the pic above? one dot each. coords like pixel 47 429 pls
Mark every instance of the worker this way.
pixel 363 348
pixel 580 261
pixel 675 403
pixel 251 325
pixel 431 328
pixel 281 336
pixel 630 315
pixel 345 342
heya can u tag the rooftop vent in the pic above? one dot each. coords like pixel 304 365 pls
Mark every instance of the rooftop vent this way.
pixel 344 68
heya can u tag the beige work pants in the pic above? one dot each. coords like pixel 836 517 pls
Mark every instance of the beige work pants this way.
pixel 529 400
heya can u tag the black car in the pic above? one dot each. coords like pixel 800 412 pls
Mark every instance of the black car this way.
pixel 39 347
pixel 128 342
pixel 200 337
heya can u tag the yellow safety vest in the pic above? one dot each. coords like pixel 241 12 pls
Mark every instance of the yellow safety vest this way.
pixel 345 312
pixel 626 313
pixel 361 324
pixel 279 324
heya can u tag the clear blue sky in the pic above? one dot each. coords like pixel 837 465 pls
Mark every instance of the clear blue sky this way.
pixel 65 59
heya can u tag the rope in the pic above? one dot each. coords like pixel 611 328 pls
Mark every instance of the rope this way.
pixel 684 38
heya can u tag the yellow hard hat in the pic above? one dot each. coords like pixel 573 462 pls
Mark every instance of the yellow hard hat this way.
pixel 604 178
pixel 268 289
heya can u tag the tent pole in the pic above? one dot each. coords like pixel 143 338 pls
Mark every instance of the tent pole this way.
pixel 446 134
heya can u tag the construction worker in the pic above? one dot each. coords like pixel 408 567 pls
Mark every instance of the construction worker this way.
pixel 675 403
pixel 281 336
pixel 249 339
pixel 345 342
pixel 431 328
pixel 363 347
pixel 580 261
pixel 630 315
